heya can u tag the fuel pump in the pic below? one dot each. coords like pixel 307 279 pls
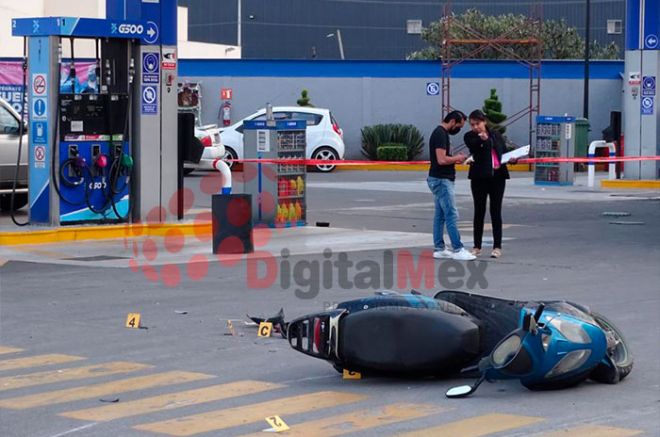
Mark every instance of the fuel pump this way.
pixel 95 162
pixel 102 135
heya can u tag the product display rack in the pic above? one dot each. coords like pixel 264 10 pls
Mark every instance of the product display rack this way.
pixel 554 139
pixel 284 183
pixel 291 202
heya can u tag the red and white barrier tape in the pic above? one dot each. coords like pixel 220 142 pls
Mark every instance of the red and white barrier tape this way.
pixel 348 162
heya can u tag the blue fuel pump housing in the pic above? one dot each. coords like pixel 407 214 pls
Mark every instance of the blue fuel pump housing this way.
pixel 88 146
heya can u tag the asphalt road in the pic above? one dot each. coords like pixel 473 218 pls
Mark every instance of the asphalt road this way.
pixel 68 366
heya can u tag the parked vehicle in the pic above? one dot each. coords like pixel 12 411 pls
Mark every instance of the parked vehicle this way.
pixel 9 136
pixel 547 346
pixel 213 149
pixel 324 136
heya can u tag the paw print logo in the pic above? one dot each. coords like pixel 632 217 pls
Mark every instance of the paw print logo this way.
pixel 170 256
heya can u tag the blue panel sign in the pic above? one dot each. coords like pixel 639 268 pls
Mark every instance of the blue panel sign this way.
pixel 647 105
pixel 432 88
pixel 150 68
pixel 648 86
pixel 39 152
pixel 149 99
pixel 39 108
pixel 39 132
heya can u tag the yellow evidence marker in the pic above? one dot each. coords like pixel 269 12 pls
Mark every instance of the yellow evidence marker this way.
pixel 265 329
pixel 133 320
pixel 277 424
pixel 349 374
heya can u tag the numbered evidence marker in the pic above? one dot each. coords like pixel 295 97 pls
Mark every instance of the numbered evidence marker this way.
pixel 276 424
pixel 230 328
pixel 133 320
pixel 349 374
pixel 265 329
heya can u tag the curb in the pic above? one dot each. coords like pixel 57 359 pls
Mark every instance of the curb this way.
pixel 420 167
pixel 631 184
pixel 107 232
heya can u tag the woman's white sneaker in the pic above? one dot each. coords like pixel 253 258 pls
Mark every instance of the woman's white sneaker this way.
pixel 445 253
pixel 463 255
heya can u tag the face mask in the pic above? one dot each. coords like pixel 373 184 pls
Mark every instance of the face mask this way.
pixel 454 130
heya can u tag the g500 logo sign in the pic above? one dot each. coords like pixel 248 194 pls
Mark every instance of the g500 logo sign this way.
pixel 127 29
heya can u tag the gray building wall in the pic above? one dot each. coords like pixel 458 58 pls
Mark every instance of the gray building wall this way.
pixel 371 29
pixel 362 101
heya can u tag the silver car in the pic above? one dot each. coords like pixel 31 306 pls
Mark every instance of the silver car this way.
pixel 9 135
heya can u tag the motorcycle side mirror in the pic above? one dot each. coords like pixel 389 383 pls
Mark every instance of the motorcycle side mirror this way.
pixel 462 391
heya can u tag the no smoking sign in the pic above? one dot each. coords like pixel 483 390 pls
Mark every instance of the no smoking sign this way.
pixel 39 84
pixel 39 156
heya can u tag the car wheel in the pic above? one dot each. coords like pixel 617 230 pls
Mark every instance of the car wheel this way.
pixel 20 200
pixel 327 154
pixel 187 171
pixel 229 154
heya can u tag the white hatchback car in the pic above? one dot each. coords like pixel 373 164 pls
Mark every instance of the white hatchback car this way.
pixel 324 136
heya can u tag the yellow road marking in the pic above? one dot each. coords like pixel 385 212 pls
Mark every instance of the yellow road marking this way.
pixel 476 426
pixel 171 401
pixel 593 431
pixel 360 420
pixel 70 374
pixel 231 417
pixel 104 389
pixel 8 350
pixel 36 250
pixel 37 361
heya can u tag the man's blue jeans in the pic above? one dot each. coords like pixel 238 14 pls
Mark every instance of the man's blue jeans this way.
pixel 446 213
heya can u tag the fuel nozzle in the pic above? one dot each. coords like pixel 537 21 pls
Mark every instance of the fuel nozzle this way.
pixel 127 161
pixel 101 161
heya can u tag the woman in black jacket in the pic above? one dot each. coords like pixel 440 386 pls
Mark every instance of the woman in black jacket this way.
pixel 487 179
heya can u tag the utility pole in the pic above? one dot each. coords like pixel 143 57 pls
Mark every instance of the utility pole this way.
pixel 239 23
pixel 587 55
pixel 341 45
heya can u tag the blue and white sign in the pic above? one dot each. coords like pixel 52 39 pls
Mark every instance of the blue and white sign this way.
pixel 39 132
pixel 39 108
pixel 648 86
pixel 151 36
pixel 647 105
pixel 651 41
pixel 432 88
pixel 149 99
pixel 150 68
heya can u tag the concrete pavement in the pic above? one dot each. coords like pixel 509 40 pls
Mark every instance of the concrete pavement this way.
pixel 69 366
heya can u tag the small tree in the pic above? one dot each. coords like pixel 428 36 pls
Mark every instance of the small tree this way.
pixel 559 40
pixel 304 99
pixel 493 110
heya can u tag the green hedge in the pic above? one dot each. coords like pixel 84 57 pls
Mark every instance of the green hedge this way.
pixel 392 152
pixel 404 134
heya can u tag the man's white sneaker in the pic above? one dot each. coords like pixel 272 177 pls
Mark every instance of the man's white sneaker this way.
pixel 446 253
pixel 463 255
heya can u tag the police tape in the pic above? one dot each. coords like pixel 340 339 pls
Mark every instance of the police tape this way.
pixel 355 162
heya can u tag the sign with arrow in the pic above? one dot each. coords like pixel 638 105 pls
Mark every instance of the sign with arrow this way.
pixel 651 41
pixel 152 35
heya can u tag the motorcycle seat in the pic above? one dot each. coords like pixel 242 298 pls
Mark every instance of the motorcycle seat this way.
pixel 407 340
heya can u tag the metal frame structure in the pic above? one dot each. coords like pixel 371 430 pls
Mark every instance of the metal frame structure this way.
pixel 504 44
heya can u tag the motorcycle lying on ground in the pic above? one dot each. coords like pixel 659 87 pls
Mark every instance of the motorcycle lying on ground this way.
pixel 549 345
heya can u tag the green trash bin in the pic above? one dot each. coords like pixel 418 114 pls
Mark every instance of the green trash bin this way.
pixel 581 137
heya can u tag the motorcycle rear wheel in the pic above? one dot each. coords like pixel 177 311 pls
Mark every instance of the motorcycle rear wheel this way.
pixel 619 355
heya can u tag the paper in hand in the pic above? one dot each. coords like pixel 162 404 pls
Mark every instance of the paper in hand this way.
pixel 516 154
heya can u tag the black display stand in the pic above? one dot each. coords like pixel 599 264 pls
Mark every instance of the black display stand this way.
pixel 232 223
